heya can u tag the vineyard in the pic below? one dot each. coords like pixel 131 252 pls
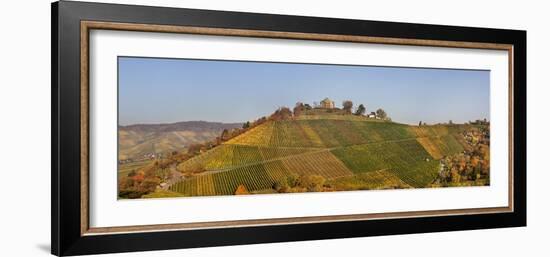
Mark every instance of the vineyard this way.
pixel 380 179
pixel 349 153
pixel 253 177
pixel 441 146
pixel 323 164
pixel 263 176
pixel 438 130
pixel 320 133
pixel 229 156
pixel 258 136
pixel 406 159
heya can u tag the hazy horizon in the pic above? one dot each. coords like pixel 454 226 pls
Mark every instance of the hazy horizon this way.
pixel 160 91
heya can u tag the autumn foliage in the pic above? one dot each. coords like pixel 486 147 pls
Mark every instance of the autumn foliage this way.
pixel 241 190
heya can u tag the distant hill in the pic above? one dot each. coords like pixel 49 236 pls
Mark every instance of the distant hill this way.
pixel 136 141
pixel 350 152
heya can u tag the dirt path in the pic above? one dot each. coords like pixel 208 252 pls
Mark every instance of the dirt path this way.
pixel 175 176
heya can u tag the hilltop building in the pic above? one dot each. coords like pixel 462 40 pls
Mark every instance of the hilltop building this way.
pixel 327 104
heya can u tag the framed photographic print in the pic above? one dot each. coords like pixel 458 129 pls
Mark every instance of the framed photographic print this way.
pixel 178 128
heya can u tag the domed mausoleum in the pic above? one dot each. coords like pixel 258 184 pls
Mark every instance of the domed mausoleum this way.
pixel 327 104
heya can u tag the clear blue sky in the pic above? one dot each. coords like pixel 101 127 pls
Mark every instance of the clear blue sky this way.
pixel 155 90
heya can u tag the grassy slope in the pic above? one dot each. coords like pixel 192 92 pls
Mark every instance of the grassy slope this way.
pixel 345 151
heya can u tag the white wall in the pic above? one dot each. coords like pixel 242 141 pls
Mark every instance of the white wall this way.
pixel 25 127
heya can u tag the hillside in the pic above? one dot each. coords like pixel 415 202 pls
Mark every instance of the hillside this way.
pixel 136 141
pixel 348 152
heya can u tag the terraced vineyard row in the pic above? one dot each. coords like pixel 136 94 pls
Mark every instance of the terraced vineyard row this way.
pixel 200 185
pixel 462 141
pixel 258 136
pixel 323 164
pixel 406 159
pixel 291 134
pixel 418 175
pixel 343 133
pixel 441 146
pixel 380 179
pixel 219 157
pixel 254 177
pixel 321 133
pixel 227 156
pixel 437 130
pixel 263 176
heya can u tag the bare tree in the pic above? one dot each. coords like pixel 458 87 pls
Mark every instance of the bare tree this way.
pixel 298 108
pixel 381 113
pixel 225 135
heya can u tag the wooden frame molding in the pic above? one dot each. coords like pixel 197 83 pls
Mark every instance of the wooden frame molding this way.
pixel 72 232
pixel 85 28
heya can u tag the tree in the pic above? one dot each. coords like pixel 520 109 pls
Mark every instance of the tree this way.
pixel 360 110
pixel 348 105
pixel 475 161
pixel 149 185
pixel 246 125
pixel 311 183
pixel 307 107
pixel 450 122
pixel 259 121
pixel 241 190
pixel 381 114
pixel 163 173
pixel 455 177
pixel 195 148
pixel 285 113
pixel 225 135
pixel 287 184
pixel 282 113
pixel 420 123
pixel 298 108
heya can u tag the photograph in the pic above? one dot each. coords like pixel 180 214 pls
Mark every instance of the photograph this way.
pixel 178 126
pixel 197 127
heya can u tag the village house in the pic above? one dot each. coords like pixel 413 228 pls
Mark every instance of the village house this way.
pixel 371 115
pixel 327 104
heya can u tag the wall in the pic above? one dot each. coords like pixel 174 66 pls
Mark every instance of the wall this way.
pixel 25 127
